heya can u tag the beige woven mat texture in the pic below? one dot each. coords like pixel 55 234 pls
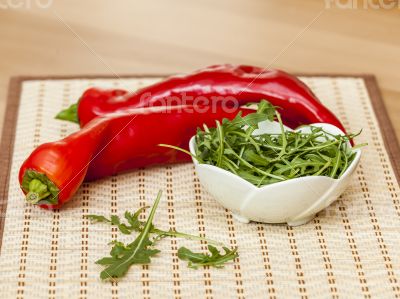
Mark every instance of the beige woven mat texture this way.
pixel 351 250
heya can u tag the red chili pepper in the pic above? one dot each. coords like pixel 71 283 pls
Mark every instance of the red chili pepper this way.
pixel 218 84
pixel 112 144
pixel 54 171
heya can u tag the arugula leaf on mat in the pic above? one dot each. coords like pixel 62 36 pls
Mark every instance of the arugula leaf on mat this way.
pixel 215 259
pixel 135 225
pixel 133 222
pixel 139 251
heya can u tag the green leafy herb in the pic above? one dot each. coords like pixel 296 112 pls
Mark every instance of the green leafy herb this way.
pixel 216 259
pixel 264 159
pixel 142 248
pixel 137 252
pixel 98 218
pixel 135 225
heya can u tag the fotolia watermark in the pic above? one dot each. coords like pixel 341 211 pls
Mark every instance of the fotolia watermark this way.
pixel 25 4
pixel 364 4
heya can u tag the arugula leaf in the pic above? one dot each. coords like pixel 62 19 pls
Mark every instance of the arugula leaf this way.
pixel 133 219
pixel 135 225
pixel 97 218
pixel 265 111
pixel 216 259
pixel 133 222
pixel 141 250
pixel 137 252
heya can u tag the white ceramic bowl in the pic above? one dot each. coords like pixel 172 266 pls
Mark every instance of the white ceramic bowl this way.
pixel 294 201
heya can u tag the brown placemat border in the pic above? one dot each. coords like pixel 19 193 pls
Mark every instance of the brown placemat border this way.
pixel 13 101
pixel 385 125
pixel 7 144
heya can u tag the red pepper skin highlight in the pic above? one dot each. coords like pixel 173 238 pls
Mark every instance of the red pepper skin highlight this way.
pixel 112 144
pixel 220 84
pixel 102 95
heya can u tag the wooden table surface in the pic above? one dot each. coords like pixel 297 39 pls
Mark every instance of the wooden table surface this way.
pixel 126 36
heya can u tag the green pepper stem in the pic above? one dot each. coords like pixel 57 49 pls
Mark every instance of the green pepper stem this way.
pixel 69 114
pixel 37 191
pixel 39 188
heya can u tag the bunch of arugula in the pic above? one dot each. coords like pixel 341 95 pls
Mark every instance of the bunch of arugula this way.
pixel 269 158
pixel 142 249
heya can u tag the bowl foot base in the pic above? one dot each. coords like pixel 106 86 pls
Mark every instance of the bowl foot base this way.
pixel 301 221
pixel 296 222
pixel 241 218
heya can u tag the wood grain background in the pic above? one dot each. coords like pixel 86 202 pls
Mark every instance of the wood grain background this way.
pixel 129 36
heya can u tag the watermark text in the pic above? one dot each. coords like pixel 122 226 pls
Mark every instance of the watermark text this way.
pixel 362 4
pixel 25 4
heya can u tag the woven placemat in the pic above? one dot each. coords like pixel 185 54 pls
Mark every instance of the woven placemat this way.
pixel 349 250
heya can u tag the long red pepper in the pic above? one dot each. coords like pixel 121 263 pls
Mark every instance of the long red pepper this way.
pixel 112 144
pixel 55 170
pixel 218 84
